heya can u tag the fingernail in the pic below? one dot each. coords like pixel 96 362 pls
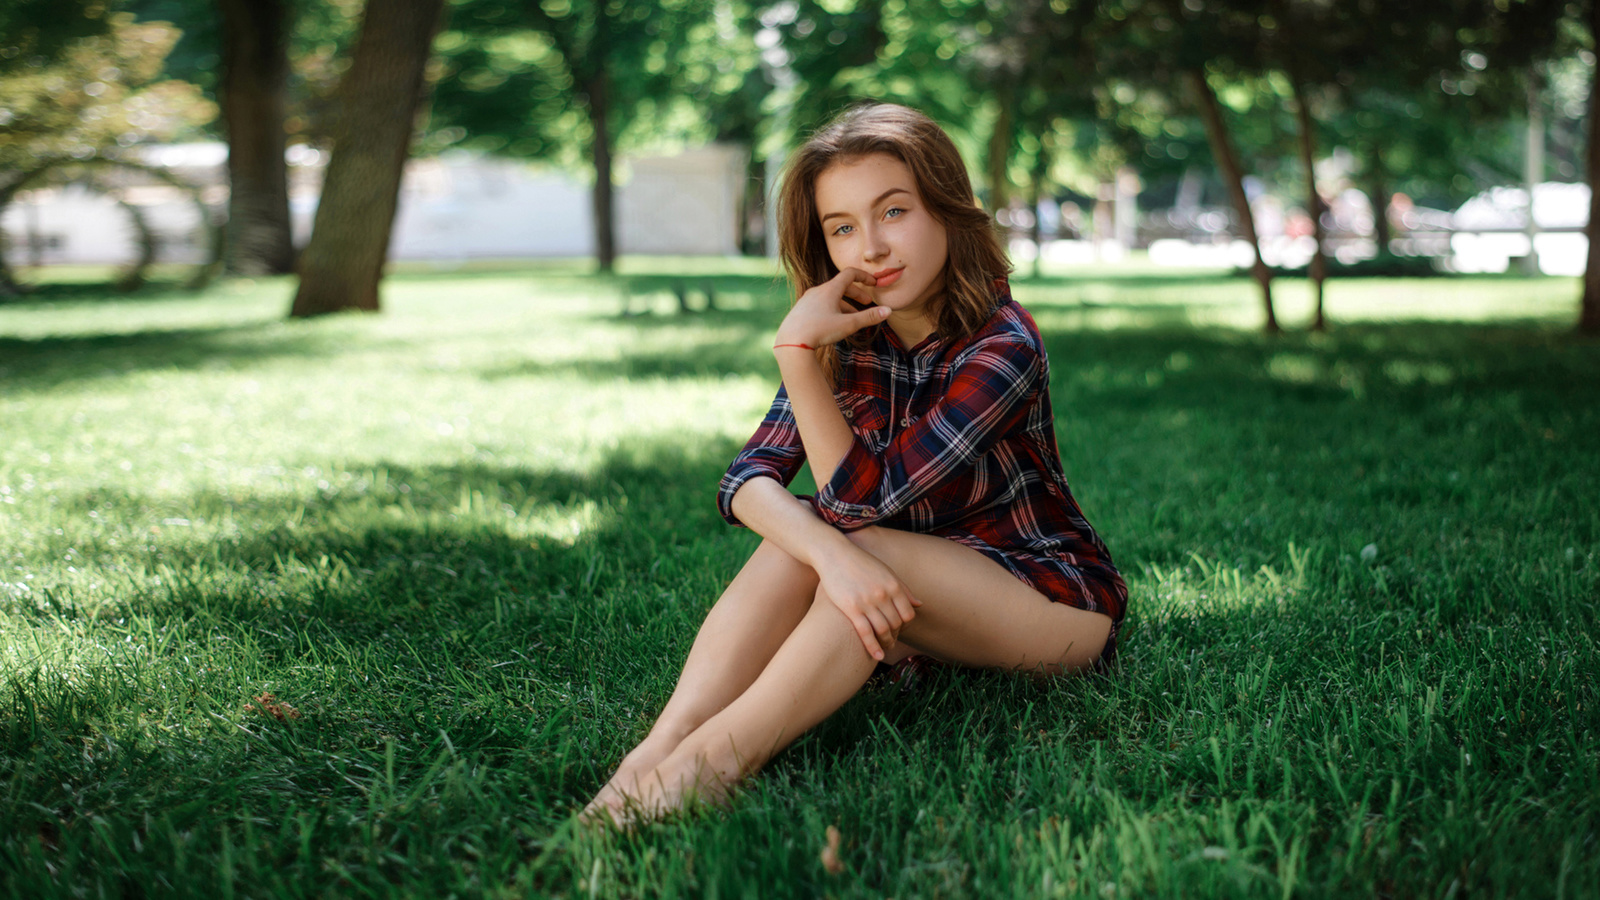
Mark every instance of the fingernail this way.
pixel 883 312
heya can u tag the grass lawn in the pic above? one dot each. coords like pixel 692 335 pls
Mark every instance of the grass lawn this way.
pixel 368 605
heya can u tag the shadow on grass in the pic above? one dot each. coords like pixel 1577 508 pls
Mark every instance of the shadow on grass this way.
pixel 1405 364
pixel 424 584
pixel 41 364
pixel 1024 276
pixel 710 360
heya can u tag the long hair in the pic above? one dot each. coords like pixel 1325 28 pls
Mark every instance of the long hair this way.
pixel 975 258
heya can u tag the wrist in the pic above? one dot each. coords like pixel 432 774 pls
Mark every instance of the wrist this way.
pixel 792 335
pixel 827 552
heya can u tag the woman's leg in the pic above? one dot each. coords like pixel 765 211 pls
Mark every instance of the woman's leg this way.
pixel 976 613
pixel 973 612
pixel 740 634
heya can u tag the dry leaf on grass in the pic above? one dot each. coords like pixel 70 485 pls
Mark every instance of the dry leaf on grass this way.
pixel 268 705
pixel 830 853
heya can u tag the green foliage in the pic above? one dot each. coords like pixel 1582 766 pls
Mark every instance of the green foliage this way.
pixel 321 39
pixel 519 78
pixel 103 93
pixel 468 544
pixel 34 32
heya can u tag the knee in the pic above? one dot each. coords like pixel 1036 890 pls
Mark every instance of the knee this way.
pixel 770 551
pixel 781 562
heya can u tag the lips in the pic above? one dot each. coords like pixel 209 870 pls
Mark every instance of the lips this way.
pixel 886 277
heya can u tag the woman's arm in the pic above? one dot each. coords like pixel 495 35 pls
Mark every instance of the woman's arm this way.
pixel 823 430
pixel 822 316
pixel 869 594
pixel 784 519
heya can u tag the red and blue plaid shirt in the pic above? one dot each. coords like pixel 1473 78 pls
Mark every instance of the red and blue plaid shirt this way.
pixel 955 439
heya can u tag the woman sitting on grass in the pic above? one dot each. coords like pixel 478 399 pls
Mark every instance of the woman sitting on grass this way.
pixel 943 526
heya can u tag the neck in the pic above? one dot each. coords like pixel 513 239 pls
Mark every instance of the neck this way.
pixel 910 328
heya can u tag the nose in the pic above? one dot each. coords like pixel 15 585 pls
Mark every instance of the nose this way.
pixel 873 245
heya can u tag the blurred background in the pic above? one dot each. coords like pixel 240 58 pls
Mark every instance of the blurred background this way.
pixel 324 137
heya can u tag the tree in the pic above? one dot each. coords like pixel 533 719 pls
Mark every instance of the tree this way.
pixel 379 98
pixel 33 33
pixel 1162 44
pixel 562 80
pixel 1589 301
pixel 255 65
pixel 102 95
pixel 273 66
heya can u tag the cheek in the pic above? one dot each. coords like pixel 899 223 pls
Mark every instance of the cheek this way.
pixel 938 244
pixel 839 252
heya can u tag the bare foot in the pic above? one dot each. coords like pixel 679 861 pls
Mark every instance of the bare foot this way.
pixel 680 781
pixel 635 766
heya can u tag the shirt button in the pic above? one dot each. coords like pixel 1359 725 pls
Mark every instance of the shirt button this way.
pixel 849 414
pixel 905 423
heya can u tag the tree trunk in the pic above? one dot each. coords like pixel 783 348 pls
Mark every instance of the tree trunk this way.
pixel 605 219
pixel 133 277
pixel 1378 195
pixel 752 230
pixel 379 97
pixel 1533 167
pixel 999 155
pixel 1589 306
pixel 1314 206
pixel 1041 166
pixel 1233 176
pixel 255 79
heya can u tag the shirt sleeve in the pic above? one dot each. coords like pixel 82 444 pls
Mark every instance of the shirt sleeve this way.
pixel 989 394
pixel 774 451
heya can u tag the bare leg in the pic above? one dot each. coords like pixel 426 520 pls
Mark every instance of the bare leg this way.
pixel 819 667
pixel 748 624
pixel 973 612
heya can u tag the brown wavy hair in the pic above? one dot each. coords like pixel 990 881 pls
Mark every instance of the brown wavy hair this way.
pixel 975 258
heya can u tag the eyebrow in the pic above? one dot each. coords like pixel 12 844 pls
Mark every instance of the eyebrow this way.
pixel 879 199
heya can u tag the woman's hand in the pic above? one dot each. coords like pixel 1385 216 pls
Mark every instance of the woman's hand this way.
pixel 877 604
pixel 823 315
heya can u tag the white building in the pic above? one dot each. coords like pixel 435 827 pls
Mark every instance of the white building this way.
pixel 457 206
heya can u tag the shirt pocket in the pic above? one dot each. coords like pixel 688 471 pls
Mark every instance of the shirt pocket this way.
pixel 867 416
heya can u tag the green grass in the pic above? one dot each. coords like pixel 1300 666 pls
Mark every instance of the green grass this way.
pixel 469 542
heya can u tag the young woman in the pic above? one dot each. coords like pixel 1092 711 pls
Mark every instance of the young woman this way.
pixel 919 392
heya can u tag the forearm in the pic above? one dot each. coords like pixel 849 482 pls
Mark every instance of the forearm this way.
pixel 777 515
pixel 823 430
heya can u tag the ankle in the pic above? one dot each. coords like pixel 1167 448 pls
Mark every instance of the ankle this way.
pixel 714 760
pixel 672 731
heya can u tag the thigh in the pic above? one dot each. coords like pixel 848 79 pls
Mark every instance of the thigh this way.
pixel 976 613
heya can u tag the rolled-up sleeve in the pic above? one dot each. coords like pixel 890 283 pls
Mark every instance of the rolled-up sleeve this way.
pixel 774 451
pixel 989 394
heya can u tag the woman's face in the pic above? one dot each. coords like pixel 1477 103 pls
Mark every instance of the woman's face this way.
pixel 874 219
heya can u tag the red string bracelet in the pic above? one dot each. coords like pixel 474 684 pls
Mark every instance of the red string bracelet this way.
pixel 801 346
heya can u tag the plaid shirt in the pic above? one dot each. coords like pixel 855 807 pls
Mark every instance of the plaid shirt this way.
pixel 954 439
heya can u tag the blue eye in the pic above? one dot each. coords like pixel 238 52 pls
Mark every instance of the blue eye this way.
pixel 893 212
pixel 843 229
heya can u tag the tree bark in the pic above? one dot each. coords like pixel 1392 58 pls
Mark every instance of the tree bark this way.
pixel 1314 205
pixel 1533 168
pixel 255 79
pixel 379 98
pixel 1233 176
pixel 133 278
pixel 1589 306
pixel 752 236
pixel 1378 195
pixel 1041 166
pixel 605 224
pixel 999 150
